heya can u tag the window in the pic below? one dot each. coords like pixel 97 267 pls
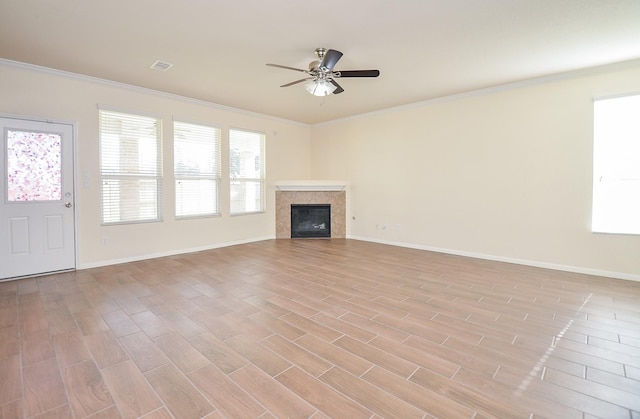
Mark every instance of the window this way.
pixel 616 165
pixel 246 171
pixel 196 169
pixel 130 167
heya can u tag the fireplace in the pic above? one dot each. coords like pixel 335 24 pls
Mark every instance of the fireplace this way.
pixel 311 192
pixel 310 220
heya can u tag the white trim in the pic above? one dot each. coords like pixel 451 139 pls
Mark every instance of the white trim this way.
pixel 526 262
pixel 129 111
pixel 76 189
pixel 616 96
pixel 311 185
pixel 130 87
pixel 492 89
pixel 488 90
pixel 36 118
pixel 138 258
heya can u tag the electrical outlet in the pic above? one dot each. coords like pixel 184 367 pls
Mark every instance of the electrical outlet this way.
pixel 105 241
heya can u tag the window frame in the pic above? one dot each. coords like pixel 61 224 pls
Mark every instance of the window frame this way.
pixel 108 171
pixel 261 179
pixel 616 165
pixel 215 176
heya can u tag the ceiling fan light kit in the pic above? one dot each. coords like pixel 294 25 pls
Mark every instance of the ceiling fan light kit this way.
pixel 321 80
pixel 320 87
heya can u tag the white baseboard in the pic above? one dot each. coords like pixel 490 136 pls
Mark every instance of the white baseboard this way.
pixel 170 253
pixel 537 264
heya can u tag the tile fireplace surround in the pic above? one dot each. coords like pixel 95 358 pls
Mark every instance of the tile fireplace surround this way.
pixel 311 192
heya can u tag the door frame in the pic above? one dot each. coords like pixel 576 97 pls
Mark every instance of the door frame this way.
pixel 74 161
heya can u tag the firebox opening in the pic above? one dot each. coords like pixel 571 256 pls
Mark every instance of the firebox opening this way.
pixel 310 220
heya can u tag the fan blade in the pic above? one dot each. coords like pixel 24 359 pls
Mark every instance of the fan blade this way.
pixel 357 73
pixel 287 67
pixel 296 82
pixel 339 89
pixel 331 58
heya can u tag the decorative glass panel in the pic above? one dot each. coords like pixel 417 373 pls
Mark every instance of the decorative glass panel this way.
pixel 34 166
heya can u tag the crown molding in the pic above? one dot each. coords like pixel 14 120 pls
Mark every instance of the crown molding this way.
pixel 139 89
pixel 623 65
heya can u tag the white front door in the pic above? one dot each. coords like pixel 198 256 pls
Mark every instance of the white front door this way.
pixel 36 198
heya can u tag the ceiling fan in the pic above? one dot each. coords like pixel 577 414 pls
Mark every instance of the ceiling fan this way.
pixel 322 76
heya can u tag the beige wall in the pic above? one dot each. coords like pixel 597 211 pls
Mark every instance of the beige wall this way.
pixel 54 96
pixel 504 175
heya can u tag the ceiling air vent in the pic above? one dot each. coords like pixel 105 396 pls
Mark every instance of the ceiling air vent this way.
pixel 161 65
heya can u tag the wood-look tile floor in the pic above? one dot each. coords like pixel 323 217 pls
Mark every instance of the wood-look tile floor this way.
pixel 319 328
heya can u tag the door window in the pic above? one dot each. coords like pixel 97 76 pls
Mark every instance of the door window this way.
pixel 34 166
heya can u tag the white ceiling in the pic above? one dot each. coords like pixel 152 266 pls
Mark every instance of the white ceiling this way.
pixel 424 49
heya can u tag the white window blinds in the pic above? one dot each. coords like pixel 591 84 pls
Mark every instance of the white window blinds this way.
pixel 196 169
pixel 130 167
pixel 616 166
pixel 246 171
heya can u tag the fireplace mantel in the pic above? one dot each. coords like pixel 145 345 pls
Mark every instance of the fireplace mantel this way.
pixel 311 185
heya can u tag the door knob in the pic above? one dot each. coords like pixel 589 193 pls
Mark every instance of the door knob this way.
pixel 68 205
